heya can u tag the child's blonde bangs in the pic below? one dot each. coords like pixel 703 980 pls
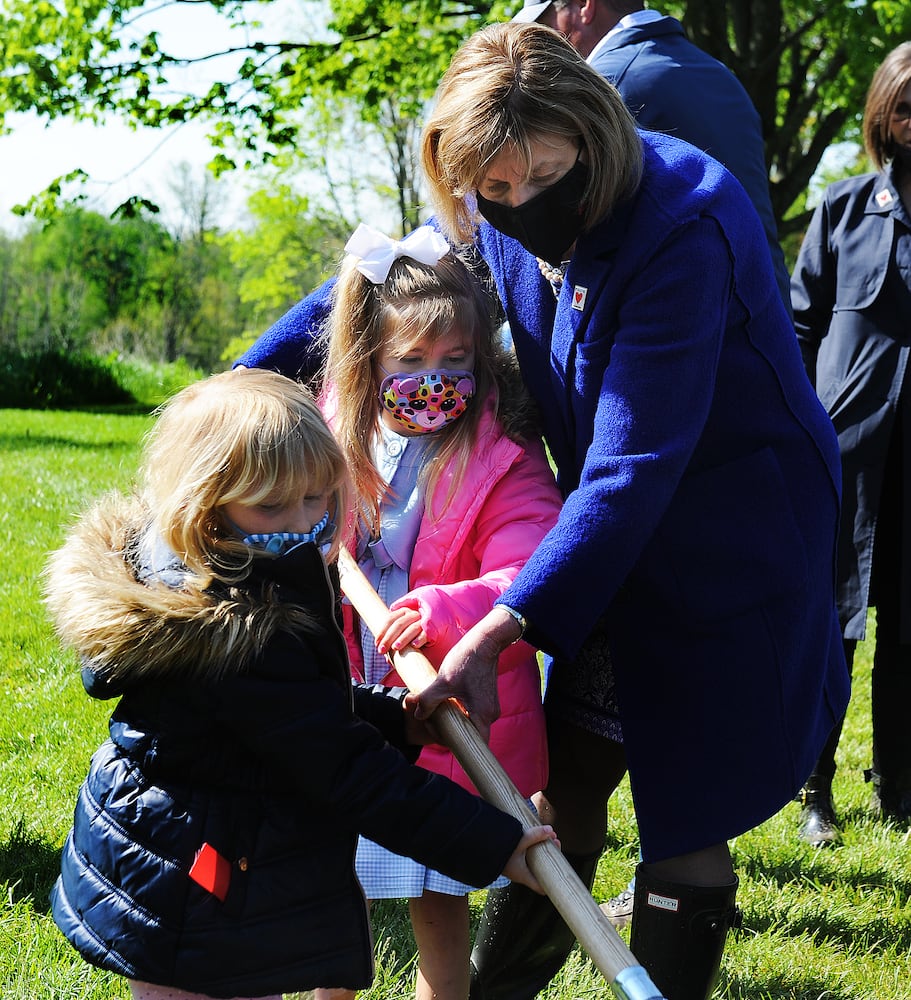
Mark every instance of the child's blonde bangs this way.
pixel 430 319
pixel 286 453
pixel 247 436
pixel 288 469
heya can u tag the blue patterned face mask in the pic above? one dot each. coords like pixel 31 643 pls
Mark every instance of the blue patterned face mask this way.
pixel 281 542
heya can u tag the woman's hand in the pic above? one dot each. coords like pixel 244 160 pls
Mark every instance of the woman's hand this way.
pixel 516 869
pixel 469 671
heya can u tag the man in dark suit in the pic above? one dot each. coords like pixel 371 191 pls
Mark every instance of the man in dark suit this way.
pixel 671 86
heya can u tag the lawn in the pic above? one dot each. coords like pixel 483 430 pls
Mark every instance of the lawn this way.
pixel 832 924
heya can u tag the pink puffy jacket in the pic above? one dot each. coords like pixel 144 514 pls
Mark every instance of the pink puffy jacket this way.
pixel 464 559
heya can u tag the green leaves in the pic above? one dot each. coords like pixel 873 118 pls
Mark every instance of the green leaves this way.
pixel 806 64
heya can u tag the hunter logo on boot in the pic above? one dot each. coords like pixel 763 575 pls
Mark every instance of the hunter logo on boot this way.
pixel 663 902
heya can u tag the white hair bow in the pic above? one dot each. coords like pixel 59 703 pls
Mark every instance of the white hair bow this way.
pixel 377 252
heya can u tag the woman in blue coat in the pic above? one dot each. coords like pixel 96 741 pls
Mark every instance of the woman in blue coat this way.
pixel 687 590
pixel 851 293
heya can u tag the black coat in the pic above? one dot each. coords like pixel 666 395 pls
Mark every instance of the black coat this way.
pixel 851 295
pixel 259 755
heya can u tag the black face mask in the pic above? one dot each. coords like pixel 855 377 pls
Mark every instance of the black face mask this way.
pixel 902 157
pixel 548 224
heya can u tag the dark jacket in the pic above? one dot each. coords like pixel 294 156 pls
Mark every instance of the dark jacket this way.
pixel 851 294
pixel 235 729
pixel 672 86
pixel 702 481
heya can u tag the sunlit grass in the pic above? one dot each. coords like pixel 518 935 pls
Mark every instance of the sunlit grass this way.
pixel 833 924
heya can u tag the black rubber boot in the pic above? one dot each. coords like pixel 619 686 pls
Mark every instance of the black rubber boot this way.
pixel 522 941
pixel 679 932
pixel 818 822
pixel 891 696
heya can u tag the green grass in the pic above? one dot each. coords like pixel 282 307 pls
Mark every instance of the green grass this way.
pixel 818 925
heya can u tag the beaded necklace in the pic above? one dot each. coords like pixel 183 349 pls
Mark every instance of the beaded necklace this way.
pixel 553 274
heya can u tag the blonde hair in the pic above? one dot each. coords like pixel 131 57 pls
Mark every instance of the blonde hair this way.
pixel 248 436
pixel 507 87
pixel 886 88
pixel 415 301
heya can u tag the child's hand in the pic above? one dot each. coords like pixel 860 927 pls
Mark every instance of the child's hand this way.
pixel 516 868
pixel 418 732
pixel 403 628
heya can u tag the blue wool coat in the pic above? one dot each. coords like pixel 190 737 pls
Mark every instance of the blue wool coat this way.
pixel 702 481
pixel 701 478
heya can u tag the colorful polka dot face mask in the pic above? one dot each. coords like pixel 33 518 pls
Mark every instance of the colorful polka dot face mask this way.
pixel 425 401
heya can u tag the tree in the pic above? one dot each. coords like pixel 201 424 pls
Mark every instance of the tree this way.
pixel 805 63
pixel 199 199
pixel 81 281
pixel 91 58
pixel 194 288
pixel 293 248
pixel 73 278
pixel 9 277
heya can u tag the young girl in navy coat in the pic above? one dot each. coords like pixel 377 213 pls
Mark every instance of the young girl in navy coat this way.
pixel 212 852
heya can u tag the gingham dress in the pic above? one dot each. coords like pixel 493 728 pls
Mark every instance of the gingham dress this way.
pixel 385 562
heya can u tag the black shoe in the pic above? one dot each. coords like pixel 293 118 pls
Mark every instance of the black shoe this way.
pixel 889 801
pixel 818 822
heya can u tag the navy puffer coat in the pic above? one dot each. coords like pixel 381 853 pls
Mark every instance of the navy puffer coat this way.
pixel 254 763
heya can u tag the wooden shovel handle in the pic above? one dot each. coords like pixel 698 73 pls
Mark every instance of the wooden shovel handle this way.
pixel 565 890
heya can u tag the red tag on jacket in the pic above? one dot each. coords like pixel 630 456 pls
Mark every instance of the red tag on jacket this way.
pixel 211 871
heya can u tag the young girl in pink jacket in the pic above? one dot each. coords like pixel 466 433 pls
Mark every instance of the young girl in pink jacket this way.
pixel 454 493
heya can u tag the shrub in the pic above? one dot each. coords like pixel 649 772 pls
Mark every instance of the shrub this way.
pixel 150 384
pixel 54 379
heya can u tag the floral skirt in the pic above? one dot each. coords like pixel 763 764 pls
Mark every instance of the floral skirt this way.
pixel 582 691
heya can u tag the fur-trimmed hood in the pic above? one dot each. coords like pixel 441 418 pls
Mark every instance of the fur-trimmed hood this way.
pixel 130 619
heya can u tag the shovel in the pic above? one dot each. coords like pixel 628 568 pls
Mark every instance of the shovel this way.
pixel 607 950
